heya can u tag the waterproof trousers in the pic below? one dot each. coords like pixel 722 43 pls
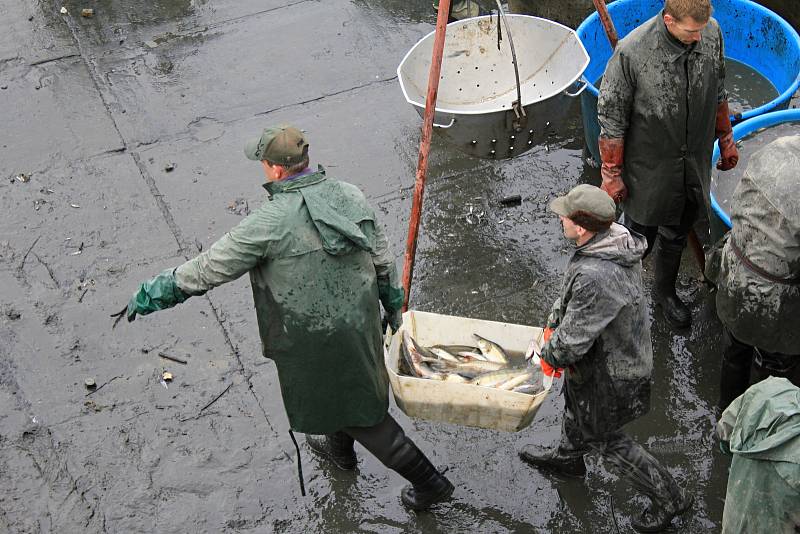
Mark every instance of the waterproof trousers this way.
pixel 625 457
pixel 384 440
pixel 743 365
pixel 672 237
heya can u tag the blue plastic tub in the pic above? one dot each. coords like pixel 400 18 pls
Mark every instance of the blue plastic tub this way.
pixel 743 129
pixel 753 35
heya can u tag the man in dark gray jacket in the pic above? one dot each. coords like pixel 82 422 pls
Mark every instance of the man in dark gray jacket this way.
pixel 662 104
pixel 599 330
pixel 758 297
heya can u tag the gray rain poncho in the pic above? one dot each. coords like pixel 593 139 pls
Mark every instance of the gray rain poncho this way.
pixel 761 428
pixel 766 229
pixel 603 333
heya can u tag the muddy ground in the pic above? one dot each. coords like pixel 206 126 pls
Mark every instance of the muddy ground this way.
pixel 130 126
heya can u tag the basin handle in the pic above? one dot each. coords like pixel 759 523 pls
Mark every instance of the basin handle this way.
pixel 584 86
pixel 446 126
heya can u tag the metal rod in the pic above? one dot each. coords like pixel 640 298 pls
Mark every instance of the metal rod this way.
pixel 513 53
pixel 608 24
pixel 424 147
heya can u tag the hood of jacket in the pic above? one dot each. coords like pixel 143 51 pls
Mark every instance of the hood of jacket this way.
pixel 617 244
pixel 336 208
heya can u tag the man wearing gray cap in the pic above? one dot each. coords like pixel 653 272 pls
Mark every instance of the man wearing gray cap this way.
pixel 599 331
pixel 319 267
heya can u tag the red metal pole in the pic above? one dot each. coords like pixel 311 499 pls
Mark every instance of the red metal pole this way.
pixel 608 24
pixel 424 147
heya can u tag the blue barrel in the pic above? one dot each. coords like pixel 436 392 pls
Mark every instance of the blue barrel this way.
pixel 753 35
pixel 744 129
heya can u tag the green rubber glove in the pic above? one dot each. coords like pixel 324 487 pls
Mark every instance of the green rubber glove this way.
pixel 158 293
pixel 391 296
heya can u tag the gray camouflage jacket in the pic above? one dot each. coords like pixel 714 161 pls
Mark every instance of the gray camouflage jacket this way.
pixel 661 97
pixel 603 332
pixel 766 229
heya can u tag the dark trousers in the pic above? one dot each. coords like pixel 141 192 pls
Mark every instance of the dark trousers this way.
pixel 626 458
pixel 386 440
pixel 743 365
pixel 673 237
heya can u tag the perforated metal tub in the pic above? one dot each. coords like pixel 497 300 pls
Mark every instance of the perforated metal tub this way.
pixel 477 89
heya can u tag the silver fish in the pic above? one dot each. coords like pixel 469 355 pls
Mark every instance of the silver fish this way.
pixel 511 383
pixel 535 347
pixel 528 389
pixel 415 361
pixel 470 368
pixel 455 349
pixel 443 354
pixel 472 356
pixel 490 349
pixel 497 377
pixel 456 379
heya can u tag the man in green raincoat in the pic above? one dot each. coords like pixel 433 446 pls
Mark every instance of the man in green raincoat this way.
pixel 761 429
pixel 319 266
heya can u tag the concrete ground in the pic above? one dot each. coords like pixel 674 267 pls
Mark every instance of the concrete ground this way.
pixel 122 156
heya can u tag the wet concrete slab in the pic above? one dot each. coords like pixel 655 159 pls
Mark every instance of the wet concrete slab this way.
pixel 169 76
pixel 57 117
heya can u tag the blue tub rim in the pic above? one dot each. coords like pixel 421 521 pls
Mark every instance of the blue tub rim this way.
pixel 769 106
pixel 743 129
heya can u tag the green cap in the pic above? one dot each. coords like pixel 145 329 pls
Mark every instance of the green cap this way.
pixel 587 199
pixel 282 145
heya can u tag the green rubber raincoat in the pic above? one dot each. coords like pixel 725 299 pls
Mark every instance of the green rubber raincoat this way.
pixel 318 263
pixel 661 97
pixel 761 428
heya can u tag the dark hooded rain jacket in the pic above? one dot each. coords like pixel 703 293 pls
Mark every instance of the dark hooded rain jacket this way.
pixel 603 333
pixel 316 256
pixel 661 97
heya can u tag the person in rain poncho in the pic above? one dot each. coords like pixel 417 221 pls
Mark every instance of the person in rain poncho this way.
pixel 599 331
pixel 758 287
pixel 319 267
pixel 662 104
pixel 761 429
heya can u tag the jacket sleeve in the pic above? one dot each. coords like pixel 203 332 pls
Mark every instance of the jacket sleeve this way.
pixel 727 422
pixel 389 289
pixel 588 312
pixel 616 96
pixel 722 94
pixel 230 257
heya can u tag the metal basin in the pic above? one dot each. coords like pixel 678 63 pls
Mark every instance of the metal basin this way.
pixel 477 89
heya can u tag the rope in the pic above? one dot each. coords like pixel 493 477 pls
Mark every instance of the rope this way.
pixel 299 464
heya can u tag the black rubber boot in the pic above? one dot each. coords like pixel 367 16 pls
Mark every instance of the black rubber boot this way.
pixel 336 447
pixel 551 460
pixel 657 519
pixel 395 450
pixel 428 486
pixel 668 262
